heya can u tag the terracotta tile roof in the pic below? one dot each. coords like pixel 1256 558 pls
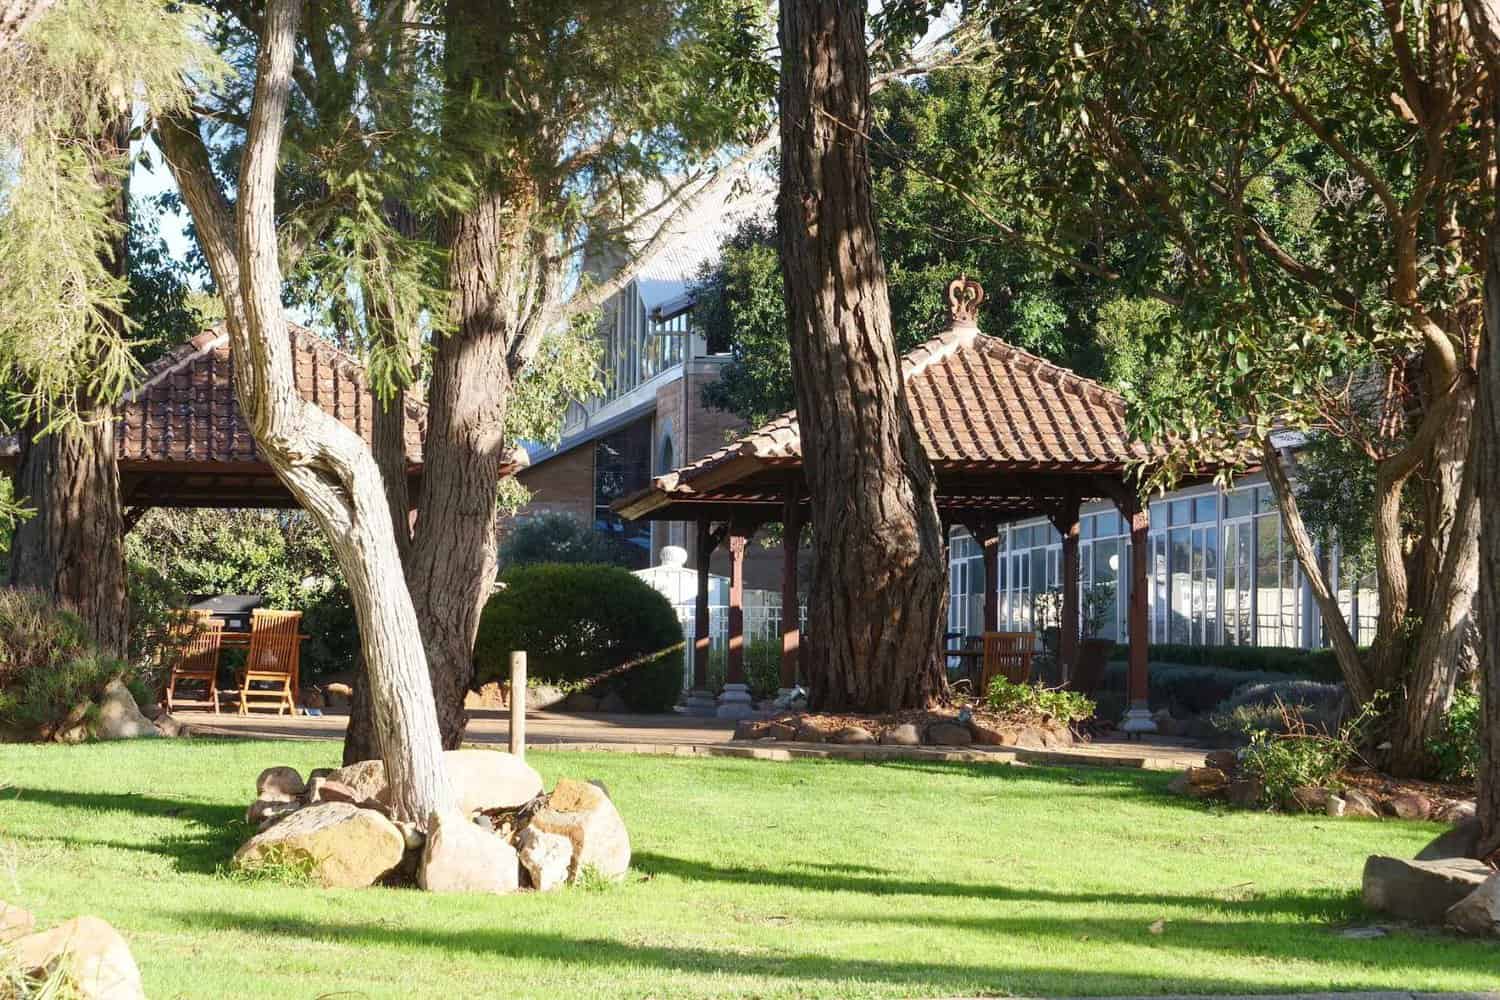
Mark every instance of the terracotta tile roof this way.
pixel 976 402
pixel 185 410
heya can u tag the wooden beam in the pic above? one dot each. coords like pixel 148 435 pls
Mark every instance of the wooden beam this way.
pixel 739 539
pixel 1065 520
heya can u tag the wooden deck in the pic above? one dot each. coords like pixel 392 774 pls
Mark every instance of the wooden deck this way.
pixel 677 735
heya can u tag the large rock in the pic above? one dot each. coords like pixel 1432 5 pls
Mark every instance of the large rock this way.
pixel 462 857
pixel 547 858
pixel 584 814
pixel 1357 803
pixel 1411 805
pixel 483 779
pixel 97 959
pixel 904 735
pixel 119 716
pixel 1460 842
pixel 280 784
pixel 854 735
pixel 1422 891
pixel 14 922
pixel 1478 913
pixel 346 847
pixel 949 734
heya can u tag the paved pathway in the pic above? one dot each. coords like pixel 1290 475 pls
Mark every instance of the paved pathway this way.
pixel 687 736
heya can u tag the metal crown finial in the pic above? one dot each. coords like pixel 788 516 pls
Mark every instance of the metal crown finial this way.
pixel 964 298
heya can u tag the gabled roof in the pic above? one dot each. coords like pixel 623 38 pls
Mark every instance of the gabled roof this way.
pixel 185 410
pixel 978 403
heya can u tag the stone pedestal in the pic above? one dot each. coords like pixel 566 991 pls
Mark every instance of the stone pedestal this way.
pixel 734 702
pixel 700 702
pixel 1138 720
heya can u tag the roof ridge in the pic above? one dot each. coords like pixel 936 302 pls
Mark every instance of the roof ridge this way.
pixel 180 357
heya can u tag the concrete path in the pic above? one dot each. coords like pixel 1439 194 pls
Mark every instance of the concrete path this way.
pixel 678 735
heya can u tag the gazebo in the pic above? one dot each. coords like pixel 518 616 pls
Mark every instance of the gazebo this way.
pixel 181 441
pixel 1009 435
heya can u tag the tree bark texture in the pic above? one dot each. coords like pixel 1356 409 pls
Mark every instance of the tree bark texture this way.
pixel 325 465
pixel 879 587
pixel 73 547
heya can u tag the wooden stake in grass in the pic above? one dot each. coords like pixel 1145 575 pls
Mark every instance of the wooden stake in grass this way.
pixel 518 704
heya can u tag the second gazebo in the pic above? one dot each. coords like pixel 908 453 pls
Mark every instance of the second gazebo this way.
pixel 1009 435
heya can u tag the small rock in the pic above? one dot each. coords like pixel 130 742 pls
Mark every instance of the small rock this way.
pixel 1308 798
pixel 751 729
pixel 1225 760
pixel 460 857
pixel 97 959
pixel 333 790
pixel 1180 785
pixel 614 703
pixel 810 731
pixel 269 809
pixel 169 727
pixel 14 922
pixel 1363 933
pixel 1335 806
pixel 1422 891
pixel 1357 803
pixel 584 814
pixel 319 772
pixel 1247 793
pixel 346 847
pixel 986 734
pixel 1207 777
pixel 280 784
pixel 1478 913
pixel 949 734
pixel 119 717
pixel 367 778
pixel 904 735
pixel 1460 842
pixel 413 837
pixel 781 729
pixel 854 735
pixel 546 858
pixel 1456 812
pixel 1411 805
pixel 491 779
pixel 337 695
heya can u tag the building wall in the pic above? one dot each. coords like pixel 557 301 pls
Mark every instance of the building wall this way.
pixel 563 484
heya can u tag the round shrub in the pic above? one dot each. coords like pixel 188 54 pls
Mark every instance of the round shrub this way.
pixel 576 621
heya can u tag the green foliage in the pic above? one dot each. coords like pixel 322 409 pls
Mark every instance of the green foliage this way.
pixel 578 621
pixel 1457 747
pixel 48 664
pixel 1033 703
pixel 1336 496
pixel 762 667
pixel 80 72
pixel 1318 664
pixel 1297 755
pixel 560 538
pixel 281 555
pixel 160 305
pixel 930 231
pixel 565 369
pixel 274 865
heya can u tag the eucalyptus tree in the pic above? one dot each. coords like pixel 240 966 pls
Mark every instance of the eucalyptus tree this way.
pixel 74 83
pixel 1313 179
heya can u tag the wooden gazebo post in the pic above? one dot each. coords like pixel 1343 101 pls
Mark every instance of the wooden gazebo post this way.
pixel 1065 520
pixel 1138 716
pixel 987 534
pixel 700 700
pixel 734 700
pixel 791 605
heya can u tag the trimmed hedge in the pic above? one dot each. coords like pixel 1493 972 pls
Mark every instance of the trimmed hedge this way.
pixel 1317 664
pixel 578 620
pixel 1190 690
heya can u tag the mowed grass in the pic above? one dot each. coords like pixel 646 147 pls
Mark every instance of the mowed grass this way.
pixel 750 878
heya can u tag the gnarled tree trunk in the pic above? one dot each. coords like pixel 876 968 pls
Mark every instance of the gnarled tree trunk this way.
pixel 324 464
pixel 879 587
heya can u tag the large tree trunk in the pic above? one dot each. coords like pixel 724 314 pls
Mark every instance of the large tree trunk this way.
pixel 879 587
pixel 325 465
pixel 73 547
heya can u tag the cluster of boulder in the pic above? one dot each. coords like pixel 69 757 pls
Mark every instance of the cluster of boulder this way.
pixel 1221 779
pixel 943 731
pixel 1445 884
pixel 114 715
pixel 506 833
pixel 86 953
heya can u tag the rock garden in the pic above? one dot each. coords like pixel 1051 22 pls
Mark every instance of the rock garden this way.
pixel 334 829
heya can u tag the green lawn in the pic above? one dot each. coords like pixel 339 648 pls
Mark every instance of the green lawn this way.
pixel 751 878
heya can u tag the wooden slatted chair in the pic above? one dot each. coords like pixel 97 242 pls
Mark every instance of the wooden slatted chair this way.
pixel 192 644
pixel 1008 655
pixel 272 659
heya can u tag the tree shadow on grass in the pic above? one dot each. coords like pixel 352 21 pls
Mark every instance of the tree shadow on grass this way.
pixel 1321 904
pixel 1005 970
pixel 209 831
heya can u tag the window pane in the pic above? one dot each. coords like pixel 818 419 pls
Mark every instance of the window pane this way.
pixel 1204 508
pixel 1104 593
pixel 1180 510
pixel 1108 525
pixel 1086 527
pixel 1268 581
pixel 1239 503
pixel 1181 586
